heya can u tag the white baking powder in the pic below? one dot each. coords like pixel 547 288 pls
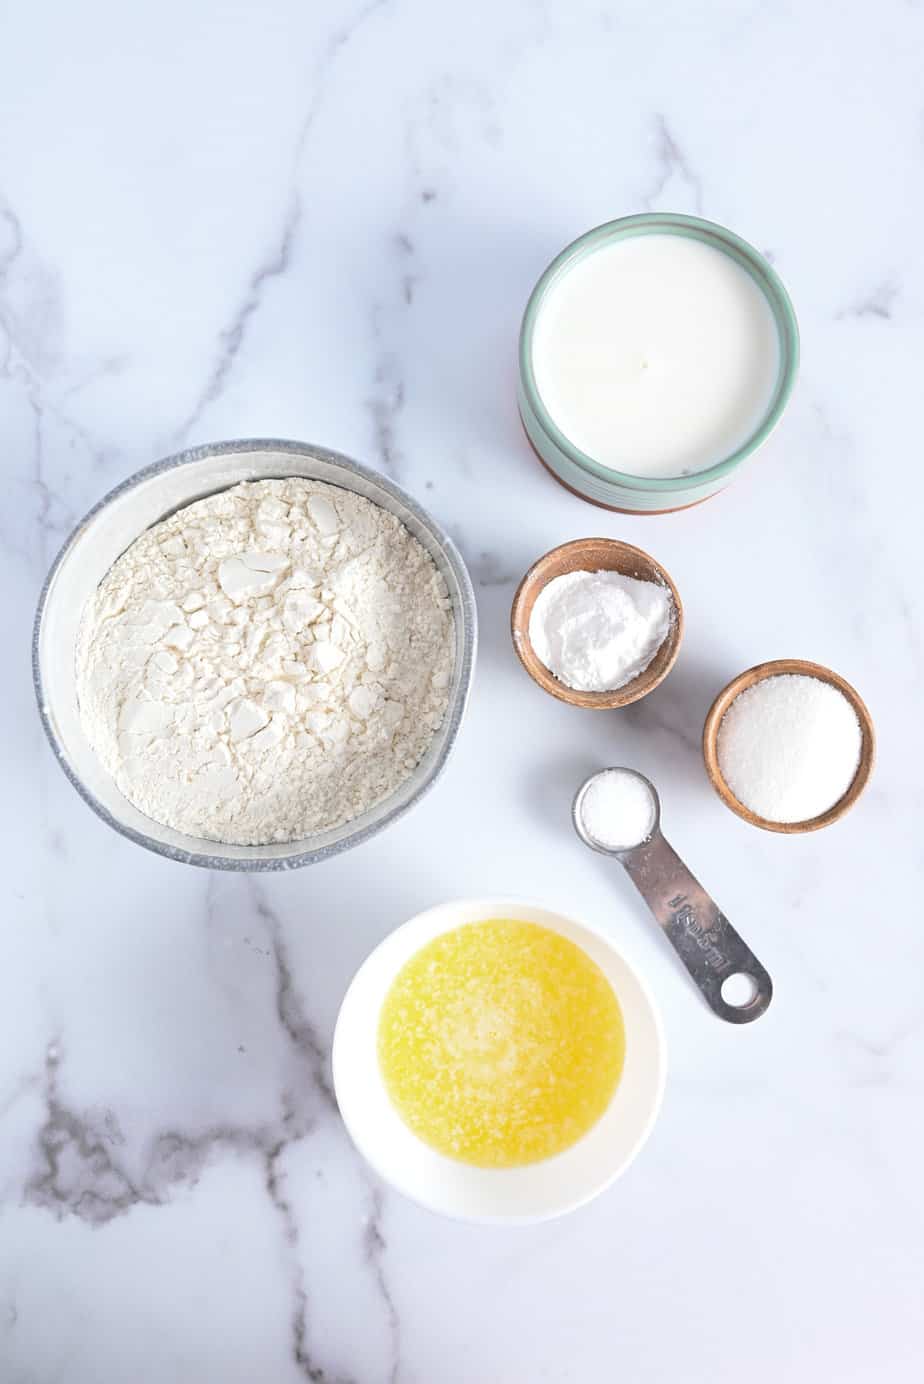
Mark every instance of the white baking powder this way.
pixel 266 663
pixel 618 810
pixel 596 631
pixel 789 747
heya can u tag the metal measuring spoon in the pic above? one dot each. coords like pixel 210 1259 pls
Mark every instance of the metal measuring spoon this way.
pixel 693 923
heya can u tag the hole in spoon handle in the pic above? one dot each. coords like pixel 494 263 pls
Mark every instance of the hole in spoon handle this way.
pixel 703 938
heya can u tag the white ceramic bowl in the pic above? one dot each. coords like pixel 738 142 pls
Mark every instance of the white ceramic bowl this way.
pixel 509 1195
pixel 105 533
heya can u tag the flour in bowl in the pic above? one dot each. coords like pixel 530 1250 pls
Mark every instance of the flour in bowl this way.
pixel 266 663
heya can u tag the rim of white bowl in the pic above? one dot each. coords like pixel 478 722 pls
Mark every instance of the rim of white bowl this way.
pixel 508 906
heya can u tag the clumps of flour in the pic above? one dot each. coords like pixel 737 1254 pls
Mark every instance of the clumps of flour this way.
pixel 267 663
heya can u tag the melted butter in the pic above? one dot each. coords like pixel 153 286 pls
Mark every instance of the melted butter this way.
pixel 501 1043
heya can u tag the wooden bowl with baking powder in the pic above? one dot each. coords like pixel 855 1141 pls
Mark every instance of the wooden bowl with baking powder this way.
pixel 777 668
pixel 594 555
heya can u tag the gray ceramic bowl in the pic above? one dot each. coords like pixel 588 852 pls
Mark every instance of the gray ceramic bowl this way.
pixel 116 522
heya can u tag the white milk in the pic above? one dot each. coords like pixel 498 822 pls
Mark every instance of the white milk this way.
pixel 656 355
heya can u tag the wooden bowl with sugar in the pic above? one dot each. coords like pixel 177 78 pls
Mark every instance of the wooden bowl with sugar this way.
pixel 594 555
pixel 778 668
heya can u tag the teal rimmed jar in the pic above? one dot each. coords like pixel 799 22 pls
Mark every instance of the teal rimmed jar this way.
pixel 621 490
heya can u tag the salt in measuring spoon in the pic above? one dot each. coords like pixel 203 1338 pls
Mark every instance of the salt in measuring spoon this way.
pixel 704 939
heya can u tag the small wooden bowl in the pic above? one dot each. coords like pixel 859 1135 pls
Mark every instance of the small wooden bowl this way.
pixel 594 555
pixel 771 670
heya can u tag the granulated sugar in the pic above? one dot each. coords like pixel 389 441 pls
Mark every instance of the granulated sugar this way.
pixel 789 747
pixel 617 810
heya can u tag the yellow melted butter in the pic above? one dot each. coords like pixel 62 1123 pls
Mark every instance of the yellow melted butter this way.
pixel 500 1043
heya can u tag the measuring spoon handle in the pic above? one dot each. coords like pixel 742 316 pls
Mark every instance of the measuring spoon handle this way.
pixel 698 930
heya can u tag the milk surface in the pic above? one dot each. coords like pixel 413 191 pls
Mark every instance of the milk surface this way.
pixel 656 355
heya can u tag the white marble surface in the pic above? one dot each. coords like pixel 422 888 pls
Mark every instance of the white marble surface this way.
pixel 221 220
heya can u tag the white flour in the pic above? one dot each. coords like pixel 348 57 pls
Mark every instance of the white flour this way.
pixel 267 662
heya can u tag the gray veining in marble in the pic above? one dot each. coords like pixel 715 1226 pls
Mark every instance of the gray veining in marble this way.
pixel 325 224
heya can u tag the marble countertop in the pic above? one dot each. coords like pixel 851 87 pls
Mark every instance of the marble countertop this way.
pixel 227 220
